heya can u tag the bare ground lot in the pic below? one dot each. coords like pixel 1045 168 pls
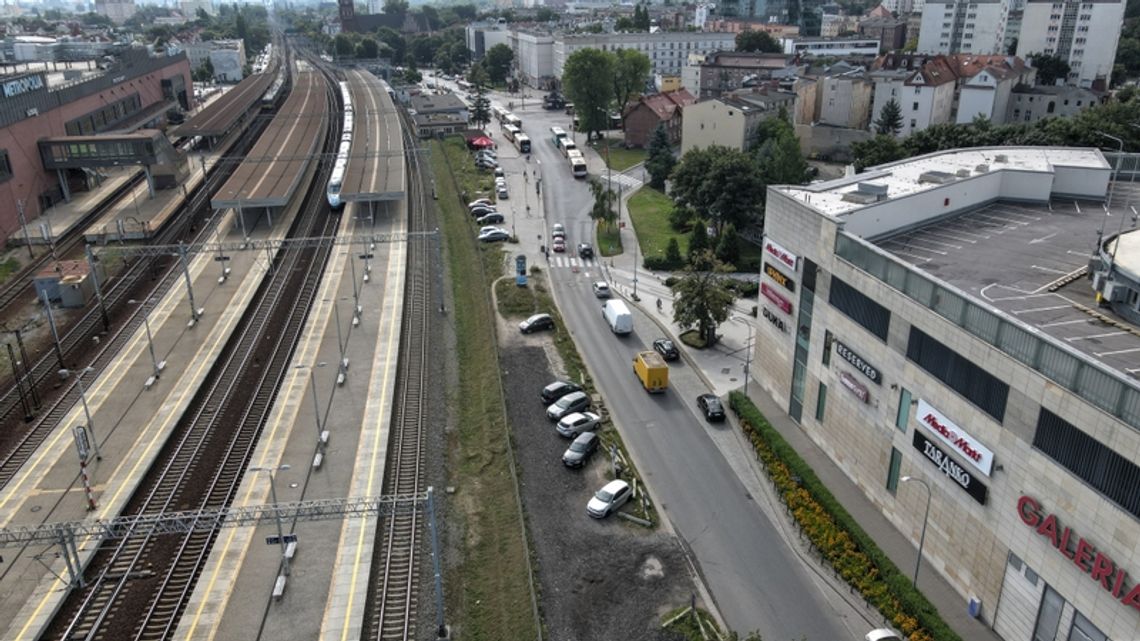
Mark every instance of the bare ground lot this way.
pixel 606 579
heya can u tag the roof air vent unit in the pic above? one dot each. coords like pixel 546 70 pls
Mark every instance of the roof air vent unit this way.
pixel 866 193
pixel 1000 158
pixel 982 168
pixel 936 177
pixel 963 173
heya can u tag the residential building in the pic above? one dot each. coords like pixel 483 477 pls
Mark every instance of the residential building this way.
pixel 643 117
pixel 667 50
pixel 1029 103
pixel 691 73
pixel 835 25
pixel 534 57
pixel 227 56
pixel 845 99
pixel 724 71
pixel 433 124
pixel 901 7
pixel 732 120
pixel 774 29
pixel 985 84
pixel 922 85
pixel 913 26
pixel 832 46
pixel 482 36
pixel 1012 30
pixel 1082 33
pixel 891 32
pixel 666 84
pixel 953 26
pixel 973 405
pixel 119 11
pixel 190 7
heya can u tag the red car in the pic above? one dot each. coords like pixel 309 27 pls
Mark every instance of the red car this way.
pixel 559 245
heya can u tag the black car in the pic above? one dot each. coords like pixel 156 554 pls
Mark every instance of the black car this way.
pixel 491 218
pixel 585 250
pixel 482 210
pixel 666 349
pixel 710 405
pixel 580 450
pixel 557 390
pixel 536 323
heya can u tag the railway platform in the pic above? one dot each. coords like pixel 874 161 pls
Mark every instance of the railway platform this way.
pixel 376 168
pixel 131 419
pixel 324 593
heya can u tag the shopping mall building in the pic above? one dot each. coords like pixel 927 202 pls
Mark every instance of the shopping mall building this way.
pixel 946 318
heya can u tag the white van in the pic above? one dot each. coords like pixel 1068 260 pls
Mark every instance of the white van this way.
pixel 617 315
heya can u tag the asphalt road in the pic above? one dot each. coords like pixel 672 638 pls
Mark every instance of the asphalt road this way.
pixel 756 580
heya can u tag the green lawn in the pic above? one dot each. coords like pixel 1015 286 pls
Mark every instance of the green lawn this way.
pixel 620 158
pixel 649 209
pixel 609 240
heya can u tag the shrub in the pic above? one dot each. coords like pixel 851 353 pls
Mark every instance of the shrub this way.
pixel 659 263
pixel 744 288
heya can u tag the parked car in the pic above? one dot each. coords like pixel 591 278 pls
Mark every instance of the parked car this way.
pixel 882 634
pixel 585 250
pixel 536 323
pixel 558 231
pixel 499 173
pixel 574 424
pixel 495 236
pixel 484 163
pixel 559 245
pixel 484 230
pixel 490 153
pixel 572 402
pixel 666 349
pixel 493 217
pixel 502 193
pixel 481 201
pixel 580 450
pixel 609 499
pixel 557 390
pixel 479 212
pixel 601 289
pixel 710 404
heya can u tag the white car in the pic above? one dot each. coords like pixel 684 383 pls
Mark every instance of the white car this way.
pixel 482 201
pixel 490 228
pixel 882 634
pixel 609 499
pixel 601 289
pixel 574 424
pixel 502 192
pixel 558 231
pixel 495 236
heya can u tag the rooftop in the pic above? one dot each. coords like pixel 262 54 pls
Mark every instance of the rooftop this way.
pixel 916 175
pixel 1010 255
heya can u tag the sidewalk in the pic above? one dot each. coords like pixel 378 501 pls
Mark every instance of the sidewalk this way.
pixel 722 368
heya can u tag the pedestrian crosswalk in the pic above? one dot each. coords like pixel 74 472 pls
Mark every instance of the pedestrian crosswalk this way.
pixel 569 262
pixel 627 182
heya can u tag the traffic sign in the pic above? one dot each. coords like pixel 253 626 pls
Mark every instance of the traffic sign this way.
pixel 82 444
pixel 275 540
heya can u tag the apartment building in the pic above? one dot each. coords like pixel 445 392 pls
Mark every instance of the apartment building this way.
pixel 1030 104
pixel 985 84
pixel 831 46
pixel 534 57
pixel 732 119
pixel 1084 34
pixel 955 26
pixel 922 85
pixel 668 51
pixel 227 56
pixel 845 99
pixel 724 71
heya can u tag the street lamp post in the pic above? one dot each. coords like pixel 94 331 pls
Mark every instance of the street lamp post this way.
pixel 925 518
pixel 86 409
pixel 747 353
pixel 276 511
pixel 158 365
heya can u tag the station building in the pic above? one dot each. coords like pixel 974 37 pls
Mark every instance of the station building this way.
pixel 133 93
pixel 942 318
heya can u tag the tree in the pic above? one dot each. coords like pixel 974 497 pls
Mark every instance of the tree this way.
pixel 641 18
pixel 481 110
pixel 604 201
pixel 624 23
pixel 702 297
pixel 396 7
pixel 911 45
pixel 880 149
pixel 587 79
pixel 673 252
pixel 412 75
pixel 368 49
pixel 721 183
pixel 205 72
pixel 466 12
pixel 757 41
pixel 343 46
pixel 544 14
pixel 395 41
pixel 659 160
pixel 1050 69
pixel 431 16
pixel 890 119
pixel 728 247
pixel 498 62
pixel 631 72
pixel 698 241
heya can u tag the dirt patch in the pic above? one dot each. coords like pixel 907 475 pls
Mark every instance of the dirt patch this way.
pixel 605 579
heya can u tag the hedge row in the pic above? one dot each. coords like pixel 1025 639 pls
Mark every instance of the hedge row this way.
pixel 836 535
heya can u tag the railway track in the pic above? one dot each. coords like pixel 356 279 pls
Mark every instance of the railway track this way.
pixel 143 279
pixel 392 604
pixel 140 585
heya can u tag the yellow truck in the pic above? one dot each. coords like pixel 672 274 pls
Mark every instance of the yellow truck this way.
pixel 652 371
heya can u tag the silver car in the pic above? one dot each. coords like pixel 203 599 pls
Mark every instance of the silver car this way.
pixel 573 402
pixel 574 424
pixel 609 499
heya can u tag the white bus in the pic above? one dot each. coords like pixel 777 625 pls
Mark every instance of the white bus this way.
pixel 577 163
pixel 498 113
pixel 510 132
pixel 522 141
pixel 557 134
pixel 511 119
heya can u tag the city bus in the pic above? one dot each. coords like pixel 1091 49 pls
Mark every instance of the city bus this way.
pixel 510 132
pixel 499 113
pixel 522 141
pixel 556 136
pixel 511 119
pixel 577 163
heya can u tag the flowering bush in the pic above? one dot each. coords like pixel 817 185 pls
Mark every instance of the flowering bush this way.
pixel 833 532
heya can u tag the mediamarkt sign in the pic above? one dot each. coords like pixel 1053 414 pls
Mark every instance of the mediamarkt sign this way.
pixel 1097 565
pixel 977 454
pixel 787 258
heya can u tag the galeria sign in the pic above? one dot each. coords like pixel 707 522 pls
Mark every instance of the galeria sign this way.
pixel 1096 564
pixel 977 454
